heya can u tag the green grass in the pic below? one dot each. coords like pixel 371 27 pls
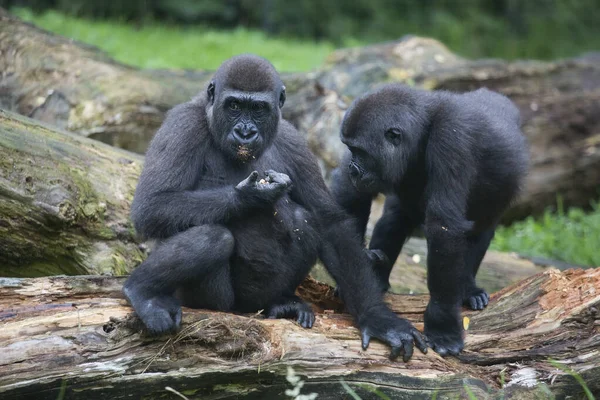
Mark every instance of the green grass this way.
pixel 155 45
pixel 572 236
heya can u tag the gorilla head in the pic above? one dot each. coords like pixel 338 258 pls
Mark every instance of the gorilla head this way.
pixel 244 106
pixel 384 131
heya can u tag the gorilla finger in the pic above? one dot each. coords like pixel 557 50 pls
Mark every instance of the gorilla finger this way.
pixel 480 303
pixel 366 338
pixel 396 351
pixel 251 179
pixel 473 303
pixel 302 319
pixel 408 350
pixel 311 320
pixel 278 177
pixel 420 341
pixel 486 298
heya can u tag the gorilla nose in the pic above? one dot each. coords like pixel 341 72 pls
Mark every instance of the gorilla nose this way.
pixel 245 133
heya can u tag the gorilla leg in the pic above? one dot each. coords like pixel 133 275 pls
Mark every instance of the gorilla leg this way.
pixel 389 235
pixel 214 291
pixel 189 255
pixel 474 297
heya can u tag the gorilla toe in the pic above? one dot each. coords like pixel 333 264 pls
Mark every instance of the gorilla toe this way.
pixel 477 299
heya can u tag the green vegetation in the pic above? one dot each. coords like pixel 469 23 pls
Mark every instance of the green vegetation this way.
pixel 539 29
pixel 155 45
pixel 572 236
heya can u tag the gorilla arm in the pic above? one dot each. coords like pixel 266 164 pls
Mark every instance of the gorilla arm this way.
pixel 357 204
pixel 166 199
pixel 344 257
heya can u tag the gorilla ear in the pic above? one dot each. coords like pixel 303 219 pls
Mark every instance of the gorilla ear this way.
pixel 282 96
pixel 394 136
pixel 211 92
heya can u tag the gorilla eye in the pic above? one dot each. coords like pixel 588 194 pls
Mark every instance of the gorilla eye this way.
pixel 234 105
pixel 394 136
pixel 258 106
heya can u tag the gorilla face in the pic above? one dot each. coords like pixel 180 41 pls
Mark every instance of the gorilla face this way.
pixel 244 123
pixel 383 131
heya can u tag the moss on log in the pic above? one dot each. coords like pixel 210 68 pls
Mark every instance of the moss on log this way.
pixel 78 334
pixel 64 202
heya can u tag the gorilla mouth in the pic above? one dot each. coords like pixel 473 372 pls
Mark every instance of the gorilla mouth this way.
pixel 244 153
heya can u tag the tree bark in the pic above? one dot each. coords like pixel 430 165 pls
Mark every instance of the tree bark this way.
pixel 78 334
pixel 64 202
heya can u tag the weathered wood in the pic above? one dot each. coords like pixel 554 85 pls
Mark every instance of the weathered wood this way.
pixel 78 331
pixel 64 202
pixel 75 86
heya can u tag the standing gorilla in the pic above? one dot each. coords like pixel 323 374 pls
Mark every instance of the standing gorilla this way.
pixel 233 241
pixel 451 161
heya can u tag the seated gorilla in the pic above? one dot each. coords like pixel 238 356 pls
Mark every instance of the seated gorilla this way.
pixel 452 162
pixel 231 239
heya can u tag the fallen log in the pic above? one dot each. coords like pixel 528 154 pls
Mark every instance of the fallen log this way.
pixel 64 202
pixel 77 336
pixel 77 87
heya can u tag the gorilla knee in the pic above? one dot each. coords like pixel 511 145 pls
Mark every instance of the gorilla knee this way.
pixel 214 237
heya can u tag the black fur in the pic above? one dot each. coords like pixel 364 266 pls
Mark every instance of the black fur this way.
pixel 229 241
pixel 452 162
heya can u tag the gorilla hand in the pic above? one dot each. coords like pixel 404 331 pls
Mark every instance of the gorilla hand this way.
pixel 381 323
pixel 267 191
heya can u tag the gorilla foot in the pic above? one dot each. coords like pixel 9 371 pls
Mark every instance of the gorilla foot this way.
pixel 476 298
pixel 293 308
pixel 447 343
pixel 443 327
pixel 161 314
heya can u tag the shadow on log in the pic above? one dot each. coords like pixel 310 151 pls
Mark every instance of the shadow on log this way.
pixel 77 87
pixel 79 334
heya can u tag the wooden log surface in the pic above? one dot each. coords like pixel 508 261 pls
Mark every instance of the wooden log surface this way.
pixel 64 202
pixel 76 334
